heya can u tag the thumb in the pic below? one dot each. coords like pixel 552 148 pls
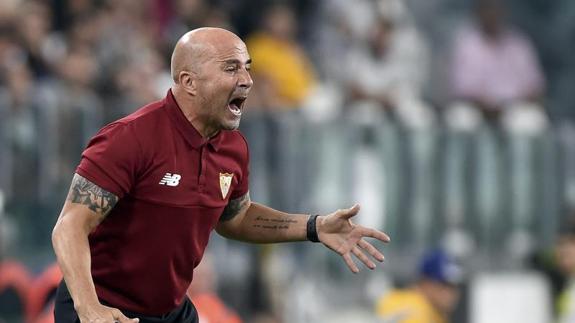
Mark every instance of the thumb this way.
pixel 351 212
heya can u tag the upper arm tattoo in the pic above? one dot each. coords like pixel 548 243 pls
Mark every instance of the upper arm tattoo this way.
pixel 82 191
pixel 234 207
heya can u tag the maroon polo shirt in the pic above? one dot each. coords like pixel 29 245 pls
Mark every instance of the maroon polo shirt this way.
pixel 173 186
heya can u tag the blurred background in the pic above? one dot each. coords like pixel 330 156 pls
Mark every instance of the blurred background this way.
pixel 451 121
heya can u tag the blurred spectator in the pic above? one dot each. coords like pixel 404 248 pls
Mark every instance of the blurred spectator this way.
pixel 34 31
pixel 8 9
pixel 191 14
pixel 384 78
pixel 125 33
pixel 202 292
pixel 341 29
pixel 73 110
pixel 375 37
pixel 85 30
pixel 493 64
pixel 565 253
pixel 432 299
pixel 188 15
pixel 375 77
pixel 334 40
pixel 391 69
pixel 77 74
pixel 143 78
pixel 280 66
pixel 550 23
pixel 19 104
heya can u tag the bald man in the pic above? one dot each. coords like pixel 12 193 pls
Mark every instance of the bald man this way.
pixel 151 187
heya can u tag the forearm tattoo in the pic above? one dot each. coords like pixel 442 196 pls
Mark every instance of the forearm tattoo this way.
pixel 82 191
pixel 234 207
pixel 282 223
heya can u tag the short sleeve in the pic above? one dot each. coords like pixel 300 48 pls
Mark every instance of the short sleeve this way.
pixel 112 158
pixel 243 186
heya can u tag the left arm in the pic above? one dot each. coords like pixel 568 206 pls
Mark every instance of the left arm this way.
pixel 247 221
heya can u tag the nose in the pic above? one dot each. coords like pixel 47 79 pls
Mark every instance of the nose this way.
pixel 245 79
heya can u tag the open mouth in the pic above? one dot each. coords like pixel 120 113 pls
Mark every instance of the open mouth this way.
pixel 236 105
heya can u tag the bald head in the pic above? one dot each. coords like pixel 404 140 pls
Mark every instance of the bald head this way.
pixel 197 46
pixel 211 71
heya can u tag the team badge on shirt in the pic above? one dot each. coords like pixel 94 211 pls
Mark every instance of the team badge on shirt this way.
pixel 225 182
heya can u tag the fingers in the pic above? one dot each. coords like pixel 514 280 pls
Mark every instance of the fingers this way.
pixel 120 317
pixel 361 256
pixel 372 233
pixel 371 250
pixel 125 319
pixel 349 262
pixel 349 213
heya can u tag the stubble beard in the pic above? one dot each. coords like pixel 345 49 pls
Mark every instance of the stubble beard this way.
pixel 220 120
pixel 232 125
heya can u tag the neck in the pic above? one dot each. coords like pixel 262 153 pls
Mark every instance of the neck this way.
pixel 188 108
pixel 206 132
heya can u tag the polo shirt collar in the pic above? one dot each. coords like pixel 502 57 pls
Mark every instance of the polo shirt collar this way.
pixel 186 129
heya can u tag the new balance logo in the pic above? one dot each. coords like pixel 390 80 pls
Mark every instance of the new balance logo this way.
pixel 171 180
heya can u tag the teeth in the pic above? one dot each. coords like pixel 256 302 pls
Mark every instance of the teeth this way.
pixel 235 109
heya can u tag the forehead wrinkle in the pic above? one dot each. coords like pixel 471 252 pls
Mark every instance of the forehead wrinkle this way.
pixel 233 58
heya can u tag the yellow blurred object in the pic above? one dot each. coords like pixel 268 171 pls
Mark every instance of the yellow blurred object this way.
pixel 284 64
pixel 566 304
pixel 407 306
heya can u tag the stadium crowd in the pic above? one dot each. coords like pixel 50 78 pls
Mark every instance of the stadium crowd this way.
pixel 452 122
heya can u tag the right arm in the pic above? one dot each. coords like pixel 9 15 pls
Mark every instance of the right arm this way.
pixel 86 206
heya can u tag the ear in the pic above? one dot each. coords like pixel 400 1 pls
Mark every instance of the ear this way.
pixel 188 81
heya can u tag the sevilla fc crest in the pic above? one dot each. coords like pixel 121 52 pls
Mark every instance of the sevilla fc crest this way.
pixel 225 182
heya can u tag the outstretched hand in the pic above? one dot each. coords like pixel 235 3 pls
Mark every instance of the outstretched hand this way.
pixel 338 233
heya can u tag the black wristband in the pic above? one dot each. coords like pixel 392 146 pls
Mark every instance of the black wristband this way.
pixel 312 229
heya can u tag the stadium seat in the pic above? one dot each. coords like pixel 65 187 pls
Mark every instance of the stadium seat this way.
pixel 211 309
pixel 14 288
pixel 42 292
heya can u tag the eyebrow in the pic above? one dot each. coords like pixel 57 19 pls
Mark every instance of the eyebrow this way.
pixel 236 61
